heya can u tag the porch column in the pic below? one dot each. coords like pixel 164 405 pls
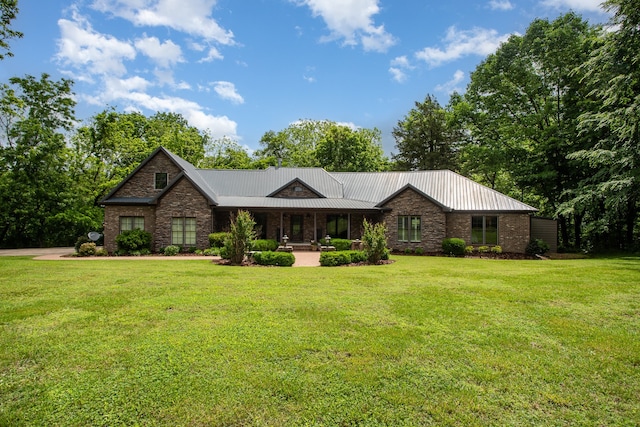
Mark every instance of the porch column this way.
pixel 315 225
pixel 348 226
pixel 281 227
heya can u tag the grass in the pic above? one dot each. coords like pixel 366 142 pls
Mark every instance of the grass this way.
pixel 423 341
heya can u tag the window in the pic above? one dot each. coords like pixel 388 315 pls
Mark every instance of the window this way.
pixel 161 180
pixel 131 223
pixel 484 230
pixel 338 226
pixel 409 229
pixel 183 231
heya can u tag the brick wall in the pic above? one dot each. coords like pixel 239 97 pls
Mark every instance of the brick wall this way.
pixel 112 216
pixel 143 182
pixel 433 221
pixel 513 230
pixel 183 200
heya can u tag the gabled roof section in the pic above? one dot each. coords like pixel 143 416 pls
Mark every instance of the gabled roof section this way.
pixel 411 187
pixel 177 179
pixel 448 189
pixel 188 170
pixel 294 182
pixel 261 183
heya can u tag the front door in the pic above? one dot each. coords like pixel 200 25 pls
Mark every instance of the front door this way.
pixel 296 234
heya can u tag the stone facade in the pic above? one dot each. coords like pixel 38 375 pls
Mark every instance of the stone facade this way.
pixel 112 216
pixel 142 184
pixel 296 190
pixel 183 201
pixel 513 230
pixel 432 221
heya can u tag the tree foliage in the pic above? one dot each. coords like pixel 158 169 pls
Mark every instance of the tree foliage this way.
pixel 342 149
pixel 610 195
pixel 323 143
pixel 524 103
pixel 425 140
pixel 38 202
pixel 8 12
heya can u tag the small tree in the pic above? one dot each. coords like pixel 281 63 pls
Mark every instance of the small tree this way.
pixel 375 241
pixel 241 235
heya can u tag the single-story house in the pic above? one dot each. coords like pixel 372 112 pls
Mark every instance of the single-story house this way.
pixel 180 204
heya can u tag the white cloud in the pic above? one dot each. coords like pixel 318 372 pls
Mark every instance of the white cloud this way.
pixel 399 67
pixel 131 94
pixel 85 49
pixel 452 85
pixel 191 17
pixel 164 54
pixel 500 5
pixel 227 90
pixel 577 5
pixel 212 56
pixel 351 21
pixel 477 41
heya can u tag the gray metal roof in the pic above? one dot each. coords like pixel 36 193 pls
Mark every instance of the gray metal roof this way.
pixel 336 190
pixel 295 203
pixel 260 183
pixel 449 189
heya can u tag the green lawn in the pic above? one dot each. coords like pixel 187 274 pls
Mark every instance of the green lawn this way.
pixel 424 341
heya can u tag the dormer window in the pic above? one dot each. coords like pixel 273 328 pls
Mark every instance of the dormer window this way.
pixel 161 180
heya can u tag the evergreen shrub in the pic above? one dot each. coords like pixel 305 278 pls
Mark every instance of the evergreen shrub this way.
pixel 453 246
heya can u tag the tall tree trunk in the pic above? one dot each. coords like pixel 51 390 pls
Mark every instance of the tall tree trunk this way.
pixel 564 231
pixel 632 214
pixel 577 229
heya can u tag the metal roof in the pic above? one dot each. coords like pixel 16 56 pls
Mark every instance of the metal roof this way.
pixel 449 189
pixel 260 183
pixel 336 190
pixel 294 203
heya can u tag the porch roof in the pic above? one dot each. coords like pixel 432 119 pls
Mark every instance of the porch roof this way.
pixel 296 203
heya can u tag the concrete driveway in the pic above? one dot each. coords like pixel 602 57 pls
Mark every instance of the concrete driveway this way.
pixel 303 258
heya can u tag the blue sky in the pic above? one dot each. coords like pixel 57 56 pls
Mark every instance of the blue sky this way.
pixel 241 68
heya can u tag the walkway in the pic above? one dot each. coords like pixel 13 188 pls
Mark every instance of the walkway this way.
pixel 303 258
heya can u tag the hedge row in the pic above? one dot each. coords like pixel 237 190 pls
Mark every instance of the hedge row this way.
pixel 282 259
pixel 332 259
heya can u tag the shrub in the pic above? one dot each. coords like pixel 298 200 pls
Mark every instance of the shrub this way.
pixel 171 250
pixel 332 259
pixel 339 244
pixel 453 246
pixel 408 251
pixel 375 241
pixel 483 249
pixel 240 237
pixel 496 249
pixel 80 241
pixel 281 259
pixel 87 249
pixel 131 241
pixel 469 250
pixel 216 240
pixel 211 252
pixel 357 256
pixel 102 252
pixel 264 245
pixel 419 251
pixel 537 247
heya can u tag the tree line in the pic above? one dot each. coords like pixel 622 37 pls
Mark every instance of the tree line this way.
pixel 551 118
